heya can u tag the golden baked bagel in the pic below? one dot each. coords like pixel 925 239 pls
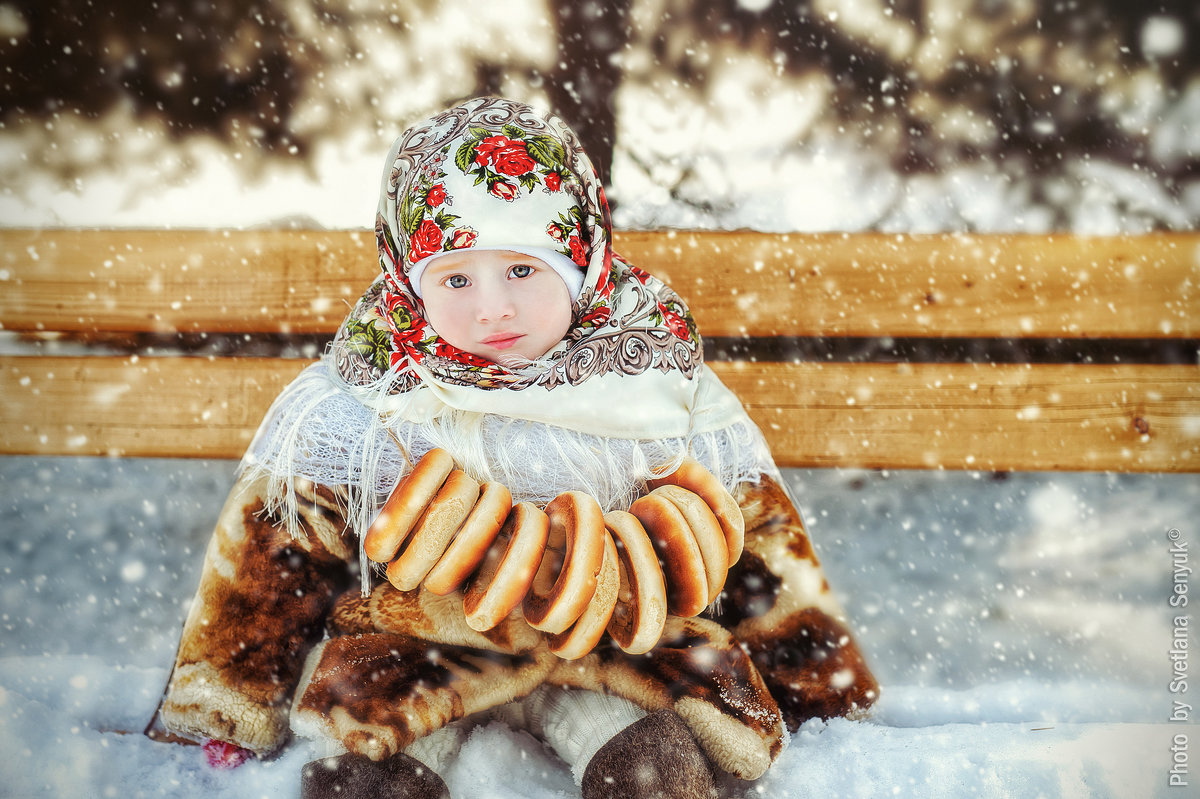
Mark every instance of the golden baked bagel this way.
pixel 695 478
pixel 707 533
pixel 446 512
pixel 475 536
pixel 508 568
pixel 405 505
pixel 682 563
pixel 586 632
pixel 641 607
pixel 566 579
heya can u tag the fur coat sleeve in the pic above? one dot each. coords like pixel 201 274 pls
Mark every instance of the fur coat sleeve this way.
pixel 779 606
pixel 260 607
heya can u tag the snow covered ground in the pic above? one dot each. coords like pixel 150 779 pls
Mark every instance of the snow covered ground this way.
pixel 1020 626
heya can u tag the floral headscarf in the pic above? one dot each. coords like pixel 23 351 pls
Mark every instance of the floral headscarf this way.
pixel 506 190
pixel 624 394
pixel 494 173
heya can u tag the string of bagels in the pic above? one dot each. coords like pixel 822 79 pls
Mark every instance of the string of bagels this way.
pixel 575 571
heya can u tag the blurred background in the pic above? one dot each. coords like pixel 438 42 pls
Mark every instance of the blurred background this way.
pixel 898 115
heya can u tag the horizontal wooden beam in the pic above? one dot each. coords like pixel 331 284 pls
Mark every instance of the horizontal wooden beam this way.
pixel 955 416
pixel 136 407
pixel 873 284
pixel 738 283
pixel 214 281
pixel 1006 417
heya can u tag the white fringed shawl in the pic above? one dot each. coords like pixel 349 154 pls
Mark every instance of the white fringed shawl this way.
pixel 318 430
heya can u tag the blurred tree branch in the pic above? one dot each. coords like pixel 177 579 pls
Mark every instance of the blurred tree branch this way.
pixel 945 80
pixel 200 65
pixel 1034 87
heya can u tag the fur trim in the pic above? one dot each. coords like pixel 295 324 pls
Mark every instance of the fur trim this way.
pixel 203 704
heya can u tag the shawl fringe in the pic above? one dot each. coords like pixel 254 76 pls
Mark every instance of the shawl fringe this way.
pixel 316 430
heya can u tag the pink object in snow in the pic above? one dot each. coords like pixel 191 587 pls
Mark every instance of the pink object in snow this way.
pixel 224 755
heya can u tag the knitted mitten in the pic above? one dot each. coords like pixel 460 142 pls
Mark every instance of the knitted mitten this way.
pixel 655 758
pixel 438 748
pixel 576 723
pixel 353 776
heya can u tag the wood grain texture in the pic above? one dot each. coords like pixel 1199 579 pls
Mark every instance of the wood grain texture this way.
pixel 162 281
pixel 1018 417
pixel 955 416
pixel 738 283
pixel 139 407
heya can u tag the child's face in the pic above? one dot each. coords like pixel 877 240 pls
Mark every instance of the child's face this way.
pixel 496 304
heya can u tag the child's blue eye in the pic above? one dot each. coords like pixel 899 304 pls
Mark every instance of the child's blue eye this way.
pixel 457 281
pixel 521 270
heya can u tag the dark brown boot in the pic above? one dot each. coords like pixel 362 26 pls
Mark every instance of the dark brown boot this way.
pixel 655 758
pixel 352 776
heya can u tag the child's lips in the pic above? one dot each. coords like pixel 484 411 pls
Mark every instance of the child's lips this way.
pixel 502 341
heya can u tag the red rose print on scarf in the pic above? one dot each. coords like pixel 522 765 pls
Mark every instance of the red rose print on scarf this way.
pixel 446 350
pixel 674 322
pixel 568 228
pixel 578 253
pixel 406 326
pixel 425 241
pixel 513 160
pixel 417 212
pixel 435 196
pixel 507 156
pixel 596 317
pixel 405 323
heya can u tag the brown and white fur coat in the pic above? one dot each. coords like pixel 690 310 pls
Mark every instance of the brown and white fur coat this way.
pixel 280 638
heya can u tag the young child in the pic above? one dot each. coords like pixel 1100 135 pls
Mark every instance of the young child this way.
pixel 504 330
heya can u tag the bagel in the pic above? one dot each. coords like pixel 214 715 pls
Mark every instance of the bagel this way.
pixel 405 505
pixel 586 632
pixel 641 607
pixel 707 532
pixel 505 576
pixel 678 553
pixel 470 546
pixel 564 583
pixel 434 531
pixel 694 477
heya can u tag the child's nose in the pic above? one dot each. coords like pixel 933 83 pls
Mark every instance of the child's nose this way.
pixel 495 308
